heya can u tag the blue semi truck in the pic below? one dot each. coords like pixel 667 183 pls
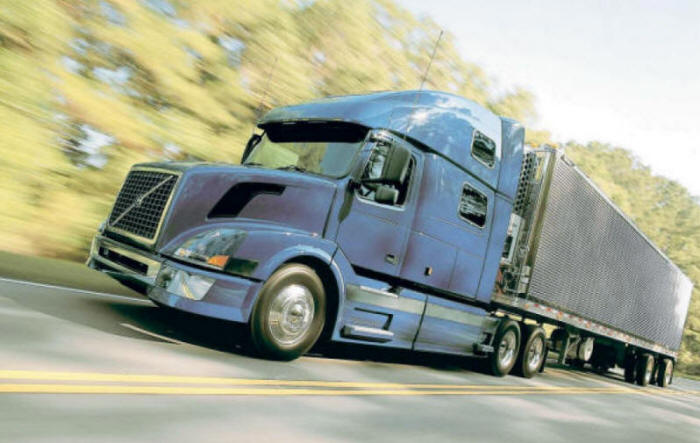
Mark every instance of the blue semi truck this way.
pixel 415 220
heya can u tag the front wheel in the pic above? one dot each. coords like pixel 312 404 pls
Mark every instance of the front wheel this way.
pixel 289 314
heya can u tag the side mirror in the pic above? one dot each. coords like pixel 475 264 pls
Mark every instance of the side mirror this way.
pixel 396 165
pixel 252 142
pixel 386 195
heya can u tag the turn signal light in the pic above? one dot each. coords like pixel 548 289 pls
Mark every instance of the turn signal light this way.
pixel 218 260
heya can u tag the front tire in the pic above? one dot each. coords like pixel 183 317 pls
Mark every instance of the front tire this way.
pixel 289 314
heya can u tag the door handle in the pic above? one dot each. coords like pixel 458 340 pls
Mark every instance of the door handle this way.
pixel 391 259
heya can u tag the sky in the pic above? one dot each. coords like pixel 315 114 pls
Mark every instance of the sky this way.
pixel 626 72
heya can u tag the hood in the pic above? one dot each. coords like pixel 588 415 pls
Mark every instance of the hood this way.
pixel 211 194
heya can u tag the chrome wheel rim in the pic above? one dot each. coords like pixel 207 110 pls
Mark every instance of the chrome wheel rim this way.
pixel 506 349
pixel 534 354
pixel 291 313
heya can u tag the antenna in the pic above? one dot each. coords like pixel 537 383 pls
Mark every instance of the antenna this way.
pixel 425 76
pixel 266 89
pixel 430 63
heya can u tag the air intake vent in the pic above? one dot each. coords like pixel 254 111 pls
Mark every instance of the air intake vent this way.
pixel 233 202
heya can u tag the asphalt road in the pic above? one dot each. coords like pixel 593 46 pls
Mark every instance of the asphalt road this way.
pixel 83 359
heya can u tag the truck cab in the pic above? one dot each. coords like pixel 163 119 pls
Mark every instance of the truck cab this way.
pixel 375 219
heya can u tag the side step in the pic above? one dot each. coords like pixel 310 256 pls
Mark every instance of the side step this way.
pixel 366 333
pixel 482 349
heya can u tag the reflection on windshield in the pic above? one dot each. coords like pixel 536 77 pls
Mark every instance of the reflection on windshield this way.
pixel 332 159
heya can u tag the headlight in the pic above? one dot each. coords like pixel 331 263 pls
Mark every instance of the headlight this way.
pixel 216 249
pixel 183 283
pixel 212 248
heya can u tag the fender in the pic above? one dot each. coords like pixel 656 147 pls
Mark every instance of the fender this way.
pixel 265 245
pixel 271 249
pixel 270 246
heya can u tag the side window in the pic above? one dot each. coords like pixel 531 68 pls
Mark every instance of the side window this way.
pixel 473 206
pixel 373 170
pixel 484 149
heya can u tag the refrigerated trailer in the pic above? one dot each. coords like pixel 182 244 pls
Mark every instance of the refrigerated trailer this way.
pixel 415 220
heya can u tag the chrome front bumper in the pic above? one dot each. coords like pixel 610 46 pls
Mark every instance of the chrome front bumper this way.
pixel 129 265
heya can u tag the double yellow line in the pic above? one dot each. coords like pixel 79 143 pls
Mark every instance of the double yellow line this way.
pixel 33 382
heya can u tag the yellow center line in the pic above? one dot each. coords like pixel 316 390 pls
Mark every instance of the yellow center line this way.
pixel 190 390
pixel 152 378
pixel 242 386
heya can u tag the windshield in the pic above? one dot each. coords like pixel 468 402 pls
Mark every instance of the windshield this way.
pixel 319 148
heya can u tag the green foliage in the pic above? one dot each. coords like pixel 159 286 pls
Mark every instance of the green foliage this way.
pixel 90 87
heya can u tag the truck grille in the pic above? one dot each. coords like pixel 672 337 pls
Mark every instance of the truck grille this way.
pixel 141 203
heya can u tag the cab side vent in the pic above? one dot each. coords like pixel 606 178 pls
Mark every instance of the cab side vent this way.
pixel 236 198
pixel 527 174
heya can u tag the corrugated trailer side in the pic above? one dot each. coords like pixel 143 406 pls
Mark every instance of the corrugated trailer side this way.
pixel 585 263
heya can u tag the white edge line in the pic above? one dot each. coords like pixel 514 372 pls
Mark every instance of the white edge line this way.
pixel 152 334
pixel 81 291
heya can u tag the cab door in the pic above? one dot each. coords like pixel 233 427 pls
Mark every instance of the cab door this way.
pixel 373 234
pixel 449 237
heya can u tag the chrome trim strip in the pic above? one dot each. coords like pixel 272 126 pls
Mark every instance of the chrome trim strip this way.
pixel 455 315
pixel 166 208
pixel 389 300
pixel 378 292
pixel 376 297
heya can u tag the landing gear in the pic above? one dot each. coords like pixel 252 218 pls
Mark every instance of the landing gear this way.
pixel 506 345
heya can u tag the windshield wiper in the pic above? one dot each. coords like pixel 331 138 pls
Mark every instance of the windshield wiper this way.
pixel 253 164
pixel 292 168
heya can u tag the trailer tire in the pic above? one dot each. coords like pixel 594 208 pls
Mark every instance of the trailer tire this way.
pixel 532 352
pixel 664 373
pixel 645 369
pixel 506 345
pixel 630 368
pixel 289 314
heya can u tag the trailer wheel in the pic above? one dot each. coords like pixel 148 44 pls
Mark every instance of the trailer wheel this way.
pixel 664 372
pixel 506 345
pixel 645 369
pixel 630 368
pixel 532 352
pixel 289 314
